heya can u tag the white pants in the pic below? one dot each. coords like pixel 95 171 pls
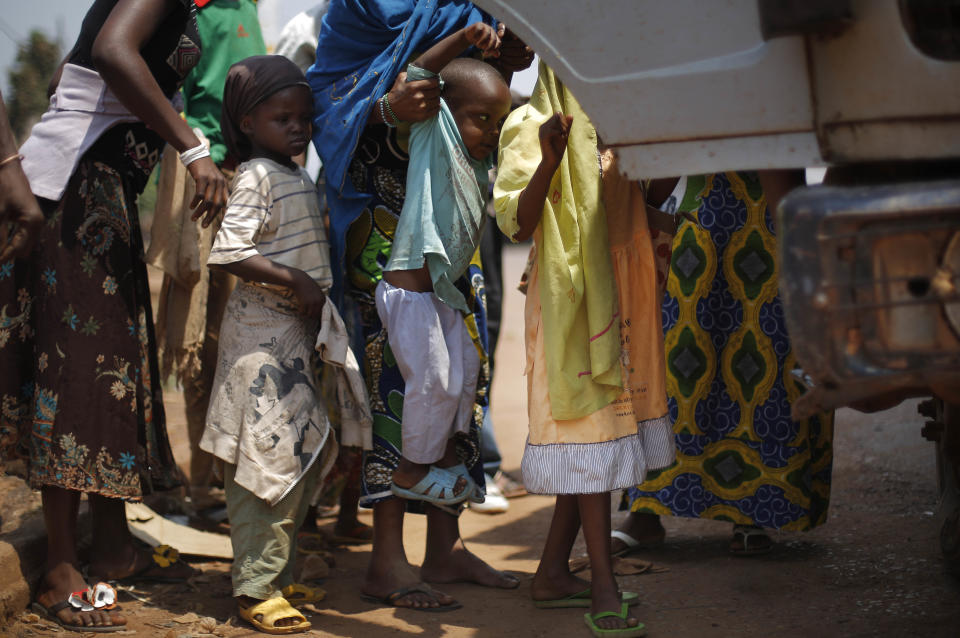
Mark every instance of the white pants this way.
pixel 439 363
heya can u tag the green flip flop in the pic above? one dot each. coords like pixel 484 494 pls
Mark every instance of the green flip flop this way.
pixel 621 632
pixel 583 599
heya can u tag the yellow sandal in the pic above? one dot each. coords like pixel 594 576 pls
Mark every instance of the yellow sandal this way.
pixel 270 611
pixel 297 594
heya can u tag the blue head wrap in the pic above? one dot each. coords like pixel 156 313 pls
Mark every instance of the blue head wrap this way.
pixel 363 46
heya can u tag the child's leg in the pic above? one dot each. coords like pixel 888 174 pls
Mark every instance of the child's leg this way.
pixel 553 578
pixel 432 384
pixel 447 559
pixel 595 514
pixel 347 521
pixel 262 537
pixel 299 498
pixel 348 525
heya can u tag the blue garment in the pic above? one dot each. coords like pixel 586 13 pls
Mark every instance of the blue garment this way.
pixel 363 46
pixel 444 209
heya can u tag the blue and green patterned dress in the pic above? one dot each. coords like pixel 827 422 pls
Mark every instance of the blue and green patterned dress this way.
pixel 379 169
pixel 740 456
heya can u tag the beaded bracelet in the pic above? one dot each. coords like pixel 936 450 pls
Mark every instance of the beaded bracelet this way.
pixel 383 113
pixel 386 103
pixel 16 157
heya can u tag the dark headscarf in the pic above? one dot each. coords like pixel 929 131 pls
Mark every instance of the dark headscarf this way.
pixel 250 82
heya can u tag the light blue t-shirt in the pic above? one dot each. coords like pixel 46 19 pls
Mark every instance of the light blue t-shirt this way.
pixel 444 209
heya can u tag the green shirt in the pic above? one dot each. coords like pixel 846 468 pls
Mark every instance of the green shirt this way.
pixel 230 32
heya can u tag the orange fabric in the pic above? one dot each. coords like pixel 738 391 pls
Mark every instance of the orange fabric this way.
pixel 642 354
pixel 641 333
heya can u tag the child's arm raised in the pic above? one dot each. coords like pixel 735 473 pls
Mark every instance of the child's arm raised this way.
pixel 259 268
pixel 478 34
pixel 553 144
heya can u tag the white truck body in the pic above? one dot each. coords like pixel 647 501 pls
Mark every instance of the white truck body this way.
pixel 692 86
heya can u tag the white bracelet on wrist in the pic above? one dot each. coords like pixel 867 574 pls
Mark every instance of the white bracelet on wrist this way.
pixel 191 155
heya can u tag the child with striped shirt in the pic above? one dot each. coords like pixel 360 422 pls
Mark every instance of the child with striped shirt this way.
pixel 266 420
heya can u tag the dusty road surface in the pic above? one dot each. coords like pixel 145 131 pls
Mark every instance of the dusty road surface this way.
pixel 873 570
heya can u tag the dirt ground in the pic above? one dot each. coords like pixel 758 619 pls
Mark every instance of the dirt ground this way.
pixel 873 570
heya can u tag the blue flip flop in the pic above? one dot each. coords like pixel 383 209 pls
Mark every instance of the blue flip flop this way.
pixel 433 487
pixel 476 493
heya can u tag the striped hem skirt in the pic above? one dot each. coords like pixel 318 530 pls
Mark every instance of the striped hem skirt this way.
pixel 592 468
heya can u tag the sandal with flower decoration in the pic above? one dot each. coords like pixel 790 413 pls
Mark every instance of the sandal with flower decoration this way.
pixel 99 597
pixel 164 566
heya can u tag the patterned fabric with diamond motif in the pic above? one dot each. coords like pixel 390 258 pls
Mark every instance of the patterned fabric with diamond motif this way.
pixel 740 457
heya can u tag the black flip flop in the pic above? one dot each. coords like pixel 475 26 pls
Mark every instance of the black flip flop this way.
pixel 390 600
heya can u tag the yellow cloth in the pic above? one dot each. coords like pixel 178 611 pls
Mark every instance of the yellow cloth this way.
pixel 645 399
pixel 577 288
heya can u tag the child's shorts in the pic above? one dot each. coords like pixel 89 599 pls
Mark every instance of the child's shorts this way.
pixel 439 363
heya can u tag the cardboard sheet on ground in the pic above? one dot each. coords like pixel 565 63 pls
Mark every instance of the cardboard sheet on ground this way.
pixel 153 529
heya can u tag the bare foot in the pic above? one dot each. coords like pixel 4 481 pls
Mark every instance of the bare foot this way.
pixel 643 527
pixel 140 564
pixel 380 584
pixel 353 530
pixel 555 586
pixel 58 584
pixel 610 602
pixel 463 566
pixel 246 602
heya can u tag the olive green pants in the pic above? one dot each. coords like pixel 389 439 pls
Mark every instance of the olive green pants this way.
pixel 264 538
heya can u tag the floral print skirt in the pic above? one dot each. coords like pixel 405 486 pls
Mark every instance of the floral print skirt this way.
pixel 80 387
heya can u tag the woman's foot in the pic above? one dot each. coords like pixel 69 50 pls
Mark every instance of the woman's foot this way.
pixel 463 566
pixel 639 530
pixel 384 583
pixel 556 586
pixel 352 533
pixel 58 584
pixel 157 564
pixel 749 540
pixel 509 486
pixel 610 602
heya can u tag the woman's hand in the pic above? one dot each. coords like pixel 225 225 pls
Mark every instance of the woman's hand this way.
pixel 515 55
pixel 553 139
pixel 414 101
pixel 211 196
pixel 309 294
pixel 484 37
pixel 20 216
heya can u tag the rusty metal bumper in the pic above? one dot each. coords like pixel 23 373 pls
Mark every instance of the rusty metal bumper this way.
pixel 870 280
